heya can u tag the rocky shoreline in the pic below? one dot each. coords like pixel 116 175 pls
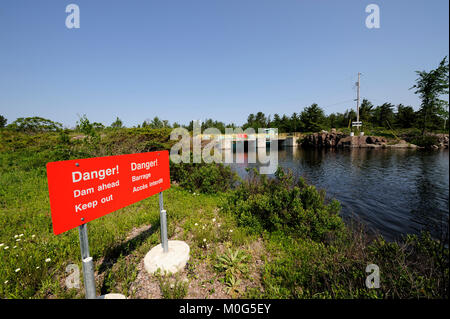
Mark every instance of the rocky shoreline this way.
pixel 335 139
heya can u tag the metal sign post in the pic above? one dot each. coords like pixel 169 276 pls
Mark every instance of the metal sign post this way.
pixel 163 222
pixel 166 260
pixel 88 263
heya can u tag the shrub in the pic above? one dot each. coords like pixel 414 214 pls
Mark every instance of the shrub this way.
pixel 417 267
pixel 134 140
pixel 27 152
pixel 34 125
pixel 426 141
pixel 232 263
pixel 172 287
pixel 282 203
pixel 203 177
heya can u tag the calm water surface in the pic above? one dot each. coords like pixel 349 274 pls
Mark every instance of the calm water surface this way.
pixel 394 192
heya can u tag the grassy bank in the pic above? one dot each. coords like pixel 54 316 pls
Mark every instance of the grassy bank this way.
pixel 265 238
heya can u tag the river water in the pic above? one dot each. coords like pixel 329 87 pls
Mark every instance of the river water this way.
pixel 392 191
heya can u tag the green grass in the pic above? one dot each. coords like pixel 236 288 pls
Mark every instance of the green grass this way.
pixel 25 209
pixel 305 249
pixel 173 287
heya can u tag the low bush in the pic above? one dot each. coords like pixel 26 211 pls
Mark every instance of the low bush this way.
pixel 173 287
pixel 282 203
pixel 34 151
pixel 203 177
pixel 426 141
pixel 313 254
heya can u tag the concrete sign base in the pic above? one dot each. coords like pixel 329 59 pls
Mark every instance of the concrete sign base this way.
pixel 112 296
pixel 170 262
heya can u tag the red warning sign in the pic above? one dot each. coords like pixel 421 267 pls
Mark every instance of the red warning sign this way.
pixel 85 189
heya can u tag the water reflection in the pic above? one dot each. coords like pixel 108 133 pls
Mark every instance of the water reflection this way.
pixel 393 191
pixel 429 194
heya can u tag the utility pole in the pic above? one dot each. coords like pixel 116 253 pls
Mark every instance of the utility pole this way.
pixel 357 100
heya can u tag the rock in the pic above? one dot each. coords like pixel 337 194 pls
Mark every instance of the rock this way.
pixel 376 140
pixel 442 140
pixel 402 144
pixel 371 140
pixel 334 140
pixel 346 141
pixel 353 141
pixel 322 139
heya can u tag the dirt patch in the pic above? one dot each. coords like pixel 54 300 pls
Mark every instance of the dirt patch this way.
pixel 205 284
pixel 256 250
pixel 145 286
pixel 137 231
pixel 203 280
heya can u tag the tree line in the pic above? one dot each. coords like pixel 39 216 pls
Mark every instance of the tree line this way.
pixel 386 115
pixel 432 115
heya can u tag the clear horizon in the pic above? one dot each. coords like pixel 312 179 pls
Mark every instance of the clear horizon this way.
pixel 198 59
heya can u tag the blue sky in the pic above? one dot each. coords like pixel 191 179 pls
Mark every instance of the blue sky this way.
pixel 222 59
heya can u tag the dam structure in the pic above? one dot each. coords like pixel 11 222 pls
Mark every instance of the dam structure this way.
pixel 229 141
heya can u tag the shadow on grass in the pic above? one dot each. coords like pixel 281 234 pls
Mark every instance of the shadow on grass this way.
pixel 115 253
pixel 126 248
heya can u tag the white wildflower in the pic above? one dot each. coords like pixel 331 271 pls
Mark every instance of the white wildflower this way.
pixel 14 247
pixel 33 236
pixel 196 224
pixel 231 230
pixel 1 245
pixel 17 270
pixel 6 282
pixel 15 236
pixel 213 220
pixel 7 247
pixel 18 239
pixel 47 260
pixel 20 235
pixel 204 239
